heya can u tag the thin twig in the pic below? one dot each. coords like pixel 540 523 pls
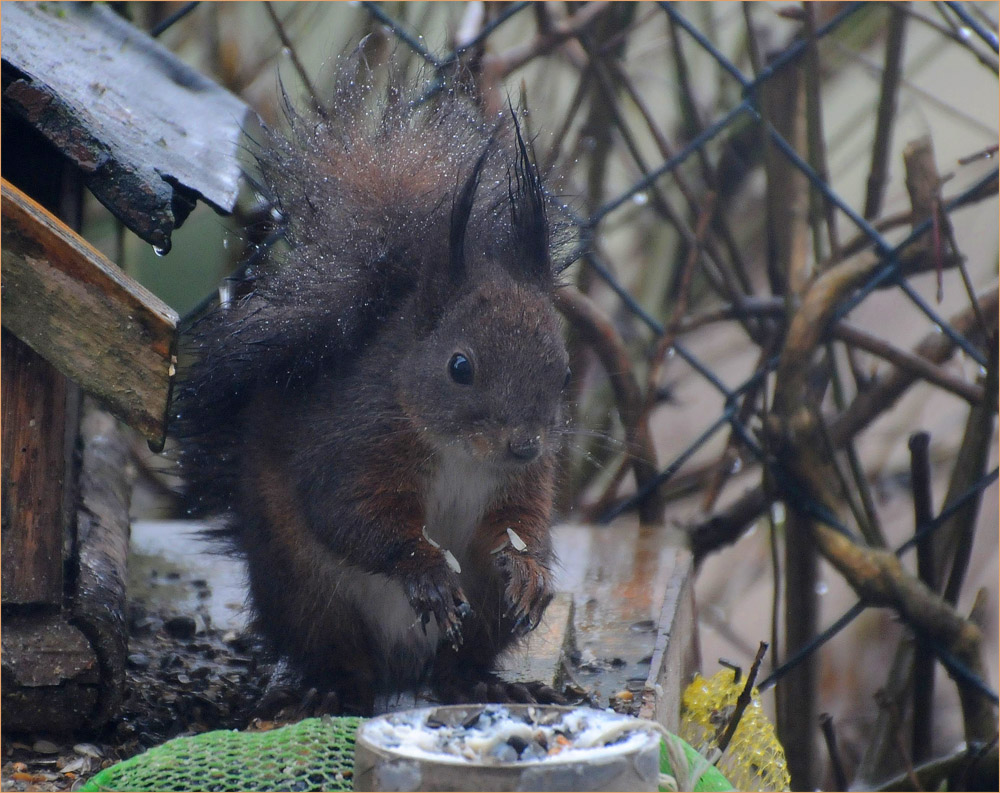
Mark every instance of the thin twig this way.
pixel 867 516
pixel 744 699
pixel 504 63
pixel 290 47
pixel 886 109
pixel 973 456
pixel 836 761
pixel 923 658
pixel 728 525
pixel 598 332
pixel 818 205
pixel 923 368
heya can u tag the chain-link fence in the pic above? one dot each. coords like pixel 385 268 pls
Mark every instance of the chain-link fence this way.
pixel 784 270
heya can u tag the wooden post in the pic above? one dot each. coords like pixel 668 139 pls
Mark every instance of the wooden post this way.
pixel 34 475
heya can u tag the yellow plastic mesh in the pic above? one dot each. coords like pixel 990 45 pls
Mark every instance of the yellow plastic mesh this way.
pixel 754 760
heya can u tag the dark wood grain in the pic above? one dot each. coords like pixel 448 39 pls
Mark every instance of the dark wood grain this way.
pixel 34 471
pixel 81 313
pixel 150 134
pixel 50 674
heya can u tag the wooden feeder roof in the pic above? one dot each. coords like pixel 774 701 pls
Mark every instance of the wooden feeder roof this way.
pixel 150 134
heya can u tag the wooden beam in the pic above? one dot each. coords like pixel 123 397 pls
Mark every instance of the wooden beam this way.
pixel 51 675
pixel 34 474
pixel 102 535
pixel 85 316
pixel 633 619
pixel 149 133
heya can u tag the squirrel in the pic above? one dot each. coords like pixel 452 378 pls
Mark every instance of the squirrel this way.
pixel 376 417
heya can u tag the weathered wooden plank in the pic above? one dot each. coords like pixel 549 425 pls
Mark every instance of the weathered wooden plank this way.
pixel 50 674
pixel 675 648
pixel 80 312
pixel 633 620
pixel 542 654
pixel 149 132
pixel 34 472
pixel 98 601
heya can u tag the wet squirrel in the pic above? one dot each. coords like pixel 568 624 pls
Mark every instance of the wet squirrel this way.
pixel 376 416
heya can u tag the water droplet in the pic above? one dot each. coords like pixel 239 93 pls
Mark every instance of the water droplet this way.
pixel 225 242
pixel 286 51
pixel 938 329
pixel 736 467
pixel 964 33
pixel 821 588
pixel 982 371
pixel 640 199
pixel 162 250
pixel 778 512
pixel 671 352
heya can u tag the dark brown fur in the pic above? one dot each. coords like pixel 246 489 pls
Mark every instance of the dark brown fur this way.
pixel 321 418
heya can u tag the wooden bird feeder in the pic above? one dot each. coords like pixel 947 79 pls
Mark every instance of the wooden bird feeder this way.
pixel 87 100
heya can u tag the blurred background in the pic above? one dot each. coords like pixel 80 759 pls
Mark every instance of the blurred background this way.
pixel 725 164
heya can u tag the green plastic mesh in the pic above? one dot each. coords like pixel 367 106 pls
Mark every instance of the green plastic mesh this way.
pixel 711 779
pixel 313 754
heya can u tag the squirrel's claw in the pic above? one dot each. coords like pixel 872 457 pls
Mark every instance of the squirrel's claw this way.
pixel 527 592
pixel 440 596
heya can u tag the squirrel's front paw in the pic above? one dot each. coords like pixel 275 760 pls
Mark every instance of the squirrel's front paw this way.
pixel 437 593
pixel 527 591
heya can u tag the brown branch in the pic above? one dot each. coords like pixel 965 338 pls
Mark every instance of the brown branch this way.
pixel 876 575
pixel 502 64
pixel 597 331
pixel 957 535
pixel 288 45
pixel 727 525
pixel 923 660
pixel 743 700
pixel 923 368
pixel 819 205
pixel 886 109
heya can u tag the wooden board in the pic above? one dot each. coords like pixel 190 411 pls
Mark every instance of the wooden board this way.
pixel 50 674
pixel 633 621
pixel 81 313
pixel 102 537
pixel 150 134
pixel 34 472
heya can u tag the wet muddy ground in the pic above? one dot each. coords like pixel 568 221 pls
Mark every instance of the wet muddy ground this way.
pixel 191 667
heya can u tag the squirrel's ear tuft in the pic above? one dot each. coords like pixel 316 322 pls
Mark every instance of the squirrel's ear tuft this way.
pixel 461 212
pixel 528 216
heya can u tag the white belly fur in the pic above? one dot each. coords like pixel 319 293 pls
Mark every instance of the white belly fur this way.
pixel 458 495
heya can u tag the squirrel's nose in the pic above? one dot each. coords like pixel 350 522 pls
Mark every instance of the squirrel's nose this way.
pixel 523 445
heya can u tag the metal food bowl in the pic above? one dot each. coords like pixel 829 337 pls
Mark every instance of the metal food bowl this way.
pixel 402 751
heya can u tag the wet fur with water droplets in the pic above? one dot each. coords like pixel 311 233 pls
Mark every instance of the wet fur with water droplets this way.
pixel 368 475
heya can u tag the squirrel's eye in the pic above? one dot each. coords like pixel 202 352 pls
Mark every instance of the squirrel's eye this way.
pixel 460 369
pixel 567 378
